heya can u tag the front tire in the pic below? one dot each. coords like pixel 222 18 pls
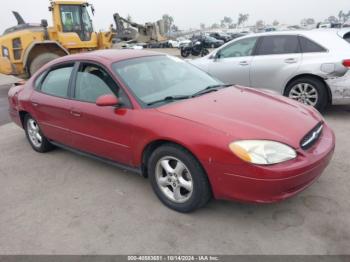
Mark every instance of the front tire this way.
pixel 40 61
pixel 185 53
pixel 309 91
pixel 205 52
pixel 35 137
pixel 178 179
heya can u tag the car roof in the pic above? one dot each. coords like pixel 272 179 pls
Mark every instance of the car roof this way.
pixel 314 32
pixel 108 56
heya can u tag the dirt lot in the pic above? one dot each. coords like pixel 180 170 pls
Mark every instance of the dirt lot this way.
pixel 62 203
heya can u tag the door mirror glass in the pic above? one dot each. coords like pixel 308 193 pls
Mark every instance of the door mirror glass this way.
pixel 107 100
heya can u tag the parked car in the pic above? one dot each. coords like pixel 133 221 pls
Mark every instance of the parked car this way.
pixel 173 44
pixel 211 42
pixel 344 33
pixel 183 42
pixel 191 135
pixel 298 64
pixel 221 36
pixel 236 35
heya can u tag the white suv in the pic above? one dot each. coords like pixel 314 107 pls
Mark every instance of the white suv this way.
pixel 308 66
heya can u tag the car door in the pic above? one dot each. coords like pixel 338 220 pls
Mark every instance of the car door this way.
pixel 231 64
pixel 51 103
pixel 102 131
pixel 277 58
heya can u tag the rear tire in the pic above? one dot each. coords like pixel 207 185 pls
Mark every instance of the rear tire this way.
pixel 40 61
pixel 182 184
pixel 35 137
pixel 310 91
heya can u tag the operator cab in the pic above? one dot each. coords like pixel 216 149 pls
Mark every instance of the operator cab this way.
pixel 76 19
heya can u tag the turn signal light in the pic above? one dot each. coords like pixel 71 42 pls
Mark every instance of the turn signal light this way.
pixel 346 63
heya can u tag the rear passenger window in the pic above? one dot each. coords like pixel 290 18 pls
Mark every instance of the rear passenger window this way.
pixel 281 44
pixel 56 82
pixel 308 46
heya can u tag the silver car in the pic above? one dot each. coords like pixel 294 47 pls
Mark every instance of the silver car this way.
pixel 308 66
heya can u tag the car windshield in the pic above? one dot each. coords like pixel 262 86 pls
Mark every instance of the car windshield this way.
pixel 156 78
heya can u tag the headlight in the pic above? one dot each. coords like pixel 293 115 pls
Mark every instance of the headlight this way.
pixel 262 152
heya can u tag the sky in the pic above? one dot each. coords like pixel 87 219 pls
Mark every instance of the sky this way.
pixel 187 13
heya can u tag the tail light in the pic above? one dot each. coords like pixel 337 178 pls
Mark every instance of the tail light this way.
pixel 346 63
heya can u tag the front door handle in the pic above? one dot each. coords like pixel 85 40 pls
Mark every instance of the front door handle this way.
pixel 35 104
pixel 75 113
pixel 243 63
pixel 291 60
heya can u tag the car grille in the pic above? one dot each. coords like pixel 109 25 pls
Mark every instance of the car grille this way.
pixel 312 137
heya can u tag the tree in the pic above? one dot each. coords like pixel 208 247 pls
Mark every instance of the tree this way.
pixel 215 26
pixel 168 22
pixel 232 26
pixel 275 23
pixel 332 19
pixel 227 21
pixel 129 18
pixel 343 17
pixel 222 24
pixel 259 24
pixel 308 21
pixel 242 18
pixel 202 26
pixel 174 28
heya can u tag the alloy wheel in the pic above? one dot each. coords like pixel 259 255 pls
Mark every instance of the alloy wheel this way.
pixel 304 93
pixel 174 179
pixel 34 133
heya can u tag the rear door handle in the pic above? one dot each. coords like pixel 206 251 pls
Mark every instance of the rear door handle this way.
pixel 35 104
pixel 291 60
pixel 244 63
pixel 75 113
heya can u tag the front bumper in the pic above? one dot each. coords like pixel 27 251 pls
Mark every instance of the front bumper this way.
pixel 268 184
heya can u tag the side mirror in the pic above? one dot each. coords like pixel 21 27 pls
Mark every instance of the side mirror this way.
pixel 44 23
pixel 107 100
pixel 217 56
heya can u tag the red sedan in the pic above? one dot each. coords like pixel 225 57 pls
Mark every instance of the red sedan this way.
pixel 194 137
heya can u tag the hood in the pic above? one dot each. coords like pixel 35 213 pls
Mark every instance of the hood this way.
pixel 246 113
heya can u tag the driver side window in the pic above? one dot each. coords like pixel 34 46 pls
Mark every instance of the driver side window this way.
pixel 93 82
pixel 240 48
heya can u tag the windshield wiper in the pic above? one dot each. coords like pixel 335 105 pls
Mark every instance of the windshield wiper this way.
pixel 169 99
pixel 210 89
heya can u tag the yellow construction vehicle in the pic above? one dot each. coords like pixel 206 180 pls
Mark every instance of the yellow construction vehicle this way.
pixel 26 47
